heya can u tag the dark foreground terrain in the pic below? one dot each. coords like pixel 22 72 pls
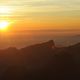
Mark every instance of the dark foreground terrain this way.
pixel 42 61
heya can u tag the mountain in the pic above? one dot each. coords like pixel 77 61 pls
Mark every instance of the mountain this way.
pixel 43 61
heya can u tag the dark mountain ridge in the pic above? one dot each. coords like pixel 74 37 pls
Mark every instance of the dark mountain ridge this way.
pixel 44 61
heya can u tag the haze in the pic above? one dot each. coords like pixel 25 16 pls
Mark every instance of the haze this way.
pixel 42 14
pixel 33 21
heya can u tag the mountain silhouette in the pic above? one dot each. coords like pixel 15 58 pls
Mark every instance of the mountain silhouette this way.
pixel 43 61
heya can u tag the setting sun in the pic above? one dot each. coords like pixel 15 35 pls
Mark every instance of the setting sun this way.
pixel 4 25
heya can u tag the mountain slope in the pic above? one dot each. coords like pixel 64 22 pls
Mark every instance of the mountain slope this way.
pixel 42 61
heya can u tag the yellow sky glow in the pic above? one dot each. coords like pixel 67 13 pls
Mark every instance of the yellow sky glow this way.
pixel 41 14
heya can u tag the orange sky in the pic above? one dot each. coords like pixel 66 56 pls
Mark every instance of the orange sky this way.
pixel 41 14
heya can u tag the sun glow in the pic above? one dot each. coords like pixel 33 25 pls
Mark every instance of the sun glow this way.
pixel 4 25
pixel 5 10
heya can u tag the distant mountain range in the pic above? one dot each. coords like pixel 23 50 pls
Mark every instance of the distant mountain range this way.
pixel 43 61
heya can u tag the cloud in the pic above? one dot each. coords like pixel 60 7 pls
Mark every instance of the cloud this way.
pixel 64 4
pixel 32 8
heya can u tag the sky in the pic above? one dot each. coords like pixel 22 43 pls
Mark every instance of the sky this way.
pixel 42 14
pixel 34 21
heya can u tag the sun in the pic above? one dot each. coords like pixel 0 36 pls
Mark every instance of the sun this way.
pixel 4 25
